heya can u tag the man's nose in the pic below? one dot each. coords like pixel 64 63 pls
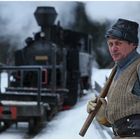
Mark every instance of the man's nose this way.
pixel 114 48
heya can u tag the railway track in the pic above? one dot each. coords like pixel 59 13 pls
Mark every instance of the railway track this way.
pixel 22 129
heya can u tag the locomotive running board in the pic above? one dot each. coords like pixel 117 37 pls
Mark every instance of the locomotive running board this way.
pixel 43 90
pixel 22 96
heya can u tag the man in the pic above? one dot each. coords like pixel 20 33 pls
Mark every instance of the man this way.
pixel 122 108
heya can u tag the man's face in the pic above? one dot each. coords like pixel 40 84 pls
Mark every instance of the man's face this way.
pixel 119 49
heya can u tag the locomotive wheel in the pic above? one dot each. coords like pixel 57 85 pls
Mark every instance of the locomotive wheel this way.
pixel 73 94
pixel 80 91
pixel 31 125
pixel 4 126
pixel 35 125
pixel 74 88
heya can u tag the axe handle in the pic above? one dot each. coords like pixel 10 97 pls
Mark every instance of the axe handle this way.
pixel 99 103
pixel 89 119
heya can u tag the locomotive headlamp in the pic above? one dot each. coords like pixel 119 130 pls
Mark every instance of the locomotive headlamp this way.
pixel 42 34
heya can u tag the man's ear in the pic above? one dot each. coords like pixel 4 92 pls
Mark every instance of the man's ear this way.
pixel 134 45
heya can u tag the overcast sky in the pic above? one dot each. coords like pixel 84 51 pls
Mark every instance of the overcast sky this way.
pixel 19 19
pixel 103 10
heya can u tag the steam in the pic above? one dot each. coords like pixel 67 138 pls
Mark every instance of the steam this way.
pixel 112 10
pixel 17 20
pixel 103 11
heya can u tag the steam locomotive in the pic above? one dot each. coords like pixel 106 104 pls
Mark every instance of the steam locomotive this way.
pixel 50 73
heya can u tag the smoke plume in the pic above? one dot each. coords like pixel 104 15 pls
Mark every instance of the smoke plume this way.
pixel 17 20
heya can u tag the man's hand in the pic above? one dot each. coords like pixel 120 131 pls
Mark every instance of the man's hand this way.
pixel 93 102
pixel 100 116
pixel 91 105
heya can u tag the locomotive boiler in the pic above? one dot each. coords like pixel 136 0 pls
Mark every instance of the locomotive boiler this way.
pixel 50 73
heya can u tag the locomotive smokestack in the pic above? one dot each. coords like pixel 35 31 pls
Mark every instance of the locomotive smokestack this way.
pixel 45 16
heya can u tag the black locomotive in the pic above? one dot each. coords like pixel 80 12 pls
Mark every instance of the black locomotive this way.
pixel 49 75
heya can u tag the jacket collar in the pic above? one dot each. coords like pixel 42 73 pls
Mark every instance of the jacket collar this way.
pixel 128 60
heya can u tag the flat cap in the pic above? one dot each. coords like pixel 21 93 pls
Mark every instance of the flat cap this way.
pixel 124 30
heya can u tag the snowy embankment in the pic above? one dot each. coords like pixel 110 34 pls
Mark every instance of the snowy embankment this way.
pixel 100 75
pixel 67 124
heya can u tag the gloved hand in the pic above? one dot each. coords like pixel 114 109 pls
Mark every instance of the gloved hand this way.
pixel 101 113
pixel 91 105
pixel 100 116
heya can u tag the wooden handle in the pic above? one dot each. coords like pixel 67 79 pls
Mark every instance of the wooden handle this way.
pixel 99 103
pixel 89 119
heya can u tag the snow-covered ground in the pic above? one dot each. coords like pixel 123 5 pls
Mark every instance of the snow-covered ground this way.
pixel 67 124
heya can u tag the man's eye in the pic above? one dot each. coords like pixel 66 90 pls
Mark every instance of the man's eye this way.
pixel 110 44
pixel 118 43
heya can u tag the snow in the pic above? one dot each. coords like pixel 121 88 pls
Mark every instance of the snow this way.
pixel 100 75
pixel 67 124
